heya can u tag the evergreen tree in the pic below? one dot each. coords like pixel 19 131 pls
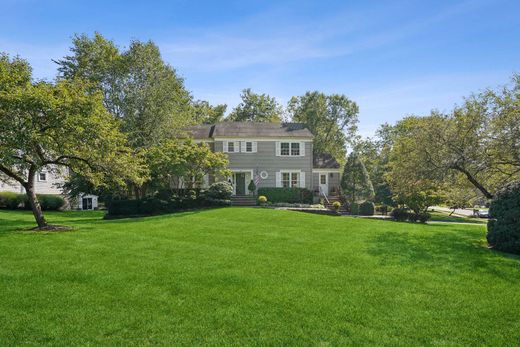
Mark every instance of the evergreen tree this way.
pixel 355 183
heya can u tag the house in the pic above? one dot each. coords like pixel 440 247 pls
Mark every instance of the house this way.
pixel 273 154
pixel 49 181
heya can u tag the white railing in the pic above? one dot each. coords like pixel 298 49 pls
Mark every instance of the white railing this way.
pixel 324 195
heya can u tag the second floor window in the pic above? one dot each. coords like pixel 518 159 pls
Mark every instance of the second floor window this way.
pixel 231 146
pixel 42 176
pixel 290 149
pixel 249 146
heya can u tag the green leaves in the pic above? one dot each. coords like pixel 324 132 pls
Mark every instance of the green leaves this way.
pixel 355 181
pixel 256 108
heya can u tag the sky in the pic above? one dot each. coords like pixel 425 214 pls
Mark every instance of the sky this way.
pixel 393 58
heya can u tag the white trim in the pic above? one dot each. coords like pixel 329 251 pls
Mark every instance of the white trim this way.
pixel 301 174
pixel 326 170
pixel 301 147
pixel 246 183
pixel 263 139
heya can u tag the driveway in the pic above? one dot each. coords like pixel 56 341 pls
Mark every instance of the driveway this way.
pixel 462 212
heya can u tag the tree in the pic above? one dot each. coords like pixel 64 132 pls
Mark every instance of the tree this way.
pixel 256 108
pixel 374 153
pixel 478 140
pixel 355 182
pixel 204 113
pixel 57 126
pixel 176 164
pixel 137 85
pixel 331 119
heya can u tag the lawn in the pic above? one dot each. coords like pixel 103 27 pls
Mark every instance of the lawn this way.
pixel 441 216
pixel 253 277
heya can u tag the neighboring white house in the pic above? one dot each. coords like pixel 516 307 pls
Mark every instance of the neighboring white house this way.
pixel 49 182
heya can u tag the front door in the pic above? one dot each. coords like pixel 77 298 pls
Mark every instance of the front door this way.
pixel 324 183
pixel 240 183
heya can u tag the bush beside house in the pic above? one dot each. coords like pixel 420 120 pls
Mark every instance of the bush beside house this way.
pixel 367 208
pixel 48 202
pixel 290 195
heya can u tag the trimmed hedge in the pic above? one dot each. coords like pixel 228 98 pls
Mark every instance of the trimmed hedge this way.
pixel 48 202
pixel 402 215
pixel 367 208
pixel 354 208
pixel 504 226
pixel 291 195
pixel 155 206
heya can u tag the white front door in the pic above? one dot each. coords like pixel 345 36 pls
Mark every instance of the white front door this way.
pixel 324 183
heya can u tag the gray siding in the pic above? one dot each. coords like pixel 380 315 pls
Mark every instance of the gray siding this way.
pixel 265 159
pixel 333 180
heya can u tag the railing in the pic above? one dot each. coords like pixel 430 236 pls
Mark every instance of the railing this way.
pixel 324 195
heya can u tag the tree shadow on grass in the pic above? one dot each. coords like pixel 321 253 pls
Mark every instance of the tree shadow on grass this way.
pixel 443 248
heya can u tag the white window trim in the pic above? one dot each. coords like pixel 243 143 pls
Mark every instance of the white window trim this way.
pixel 279 149
pixel 243 146
pixel 39 178
pixel 301 177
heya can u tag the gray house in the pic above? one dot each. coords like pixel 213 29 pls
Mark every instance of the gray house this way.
pixel 273 154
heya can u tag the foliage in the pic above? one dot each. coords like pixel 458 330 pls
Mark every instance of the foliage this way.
pixel 176 164
pixel 367 208
pixel 291 195
pixel 204 113
pixel 336 205
pixel 220 190
pixel 355 182
pixel 477 141
pixel 251 187
pixel 138 87
pixel 262 199
pixel 256 108
pixel 11 200
pixel 354 208
pixel 48 202
pixel 331 119
pixel 54 126
pixel 504 227
pixel 399 214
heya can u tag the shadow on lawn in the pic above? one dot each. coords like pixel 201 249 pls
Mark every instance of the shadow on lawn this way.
pixel 452 249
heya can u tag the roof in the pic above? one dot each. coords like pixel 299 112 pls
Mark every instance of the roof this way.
pixel 325 161
pixel 250 130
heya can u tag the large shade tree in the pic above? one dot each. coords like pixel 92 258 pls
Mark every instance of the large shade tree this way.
pixel 57 127
pixel 256 108
pixel 332 119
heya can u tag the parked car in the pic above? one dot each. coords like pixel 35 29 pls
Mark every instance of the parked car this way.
pixel 483 213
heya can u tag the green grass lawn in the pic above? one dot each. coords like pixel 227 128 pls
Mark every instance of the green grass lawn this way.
pixel 253 277
pixel 441 216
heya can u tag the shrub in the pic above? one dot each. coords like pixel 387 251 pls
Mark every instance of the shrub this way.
pixel 354 208
pixel 413 217
pixel 367 208
pixel 251 187
pixel 220 190
pixel 504 226
pixel 424 217
pixel 291 195
pixel 336 205
pixel 262 199
pixel 49 202
pixel 383 209
pixel 399 214
pixel 11 200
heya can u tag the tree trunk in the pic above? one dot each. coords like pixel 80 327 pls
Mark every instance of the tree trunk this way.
pixel 473 181
pixel 35 205
pixel 452 212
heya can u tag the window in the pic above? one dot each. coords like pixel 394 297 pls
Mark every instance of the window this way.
pixel 284 148
pixel 290 149
pixel 295 148
pixel 249 146
pixel 323 179
pixel 231 146
pixel 290 179
pixel 42 176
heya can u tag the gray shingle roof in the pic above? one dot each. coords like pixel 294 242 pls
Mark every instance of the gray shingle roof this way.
pixel 325 161
pixel 250 129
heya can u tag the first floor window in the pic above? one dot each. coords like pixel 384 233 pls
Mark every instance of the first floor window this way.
pixel 323 178
pixel 290 179
pixel 42 176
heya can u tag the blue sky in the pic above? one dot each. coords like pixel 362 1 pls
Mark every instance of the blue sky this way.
pixel 392 57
